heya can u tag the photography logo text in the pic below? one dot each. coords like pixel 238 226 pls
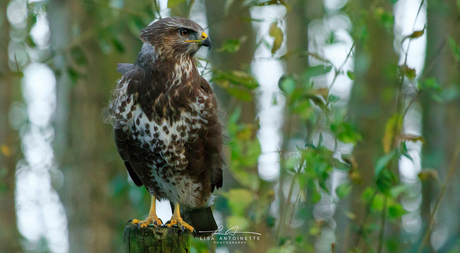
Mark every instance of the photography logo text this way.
pixel 231 236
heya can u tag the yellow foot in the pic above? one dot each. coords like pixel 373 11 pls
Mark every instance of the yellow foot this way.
pixel 180 223
pixel 150 220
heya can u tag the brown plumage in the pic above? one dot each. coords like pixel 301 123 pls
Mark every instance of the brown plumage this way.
pixel 166 125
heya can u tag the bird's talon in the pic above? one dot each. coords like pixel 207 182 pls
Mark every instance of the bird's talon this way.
pixel 180 224
pixel 145 223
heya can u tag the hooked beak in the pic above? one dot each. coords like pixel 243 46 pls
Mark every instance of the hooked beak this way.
pixel 204 41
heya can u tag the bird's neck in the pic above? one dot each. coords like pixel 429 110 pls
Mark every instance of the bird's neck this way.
pixel 179 69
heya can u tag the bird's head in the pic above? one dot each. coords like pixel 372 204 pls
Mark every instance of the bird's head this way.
pixel 175 37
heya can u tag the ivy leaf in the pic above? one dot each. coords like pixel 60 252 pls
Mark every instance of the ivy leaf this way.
pixel 278 35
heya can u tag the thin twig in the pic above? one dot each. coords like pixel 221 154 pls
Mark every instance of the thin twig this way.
pixel 288 199
pixel 382 225
pixel 337 72
pixel 450 175
pixel 293 208
pixel 366 215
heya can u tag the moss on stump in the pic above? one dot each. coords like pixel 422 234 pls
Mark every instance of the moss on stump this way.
pixel 155 240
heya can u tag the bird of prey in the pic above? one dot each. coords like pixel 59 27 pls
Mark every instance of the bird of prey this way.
pixel 166 126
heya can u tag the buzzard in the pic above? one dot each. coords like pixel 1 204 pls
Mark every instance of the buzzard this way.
pixel 166 127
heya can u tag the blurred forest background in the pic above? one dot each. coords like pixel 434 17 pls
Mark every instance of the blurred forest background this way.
pixel 342 117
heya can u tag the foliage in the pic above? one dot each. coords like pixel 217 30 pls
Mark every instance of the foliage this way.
pixel 317 123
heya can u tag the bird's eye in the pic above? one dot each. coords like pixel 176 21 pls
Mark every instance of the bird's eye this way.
pixel 184 32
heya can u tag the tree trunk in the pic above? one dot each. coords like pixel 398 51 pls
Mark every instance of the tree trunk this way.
pixel 152 240
pixel 9 144
pixel 223 27
pixel 369 109
pixel 440 121
pixel 85 148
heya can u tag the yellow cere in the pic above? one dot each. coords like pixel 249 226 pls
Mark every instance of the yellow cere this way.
pixel 203 37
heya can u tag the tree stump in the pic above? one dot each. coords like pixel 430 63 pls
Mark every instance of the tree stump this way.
pixel 155 240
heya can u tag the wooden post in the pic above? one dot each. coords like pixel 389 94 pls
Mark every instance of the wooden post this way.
pixel 155 240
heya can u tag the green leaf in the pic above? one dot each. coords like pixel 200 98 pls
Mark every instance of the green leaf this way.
pixel 429 83
pixel 368 194
pixel 409 72
pixel 316 197
pixel 343 190
pixel 174 3
pixel 391 127
pixel 345 133
pixel 73 75
pixel 398 190
pixel 235 115
pixel 231 46
pixel 333 99
pixel 378 202
pixel 235 77
pixel 79 56
pixel 239 200
pixel 237 221
pixel 351 75
pixel 414 35
pixel 278 35
pixel 239 93
pixel 396 210
pixel 383 161
pixel 287 85
pixel 104 45
pixel 318 70
pixel 118 45
pixel 455 48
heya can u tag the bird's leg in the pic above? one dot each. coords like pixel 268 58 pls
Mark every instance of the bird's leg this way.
pixel 152 218
pixel 177 220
